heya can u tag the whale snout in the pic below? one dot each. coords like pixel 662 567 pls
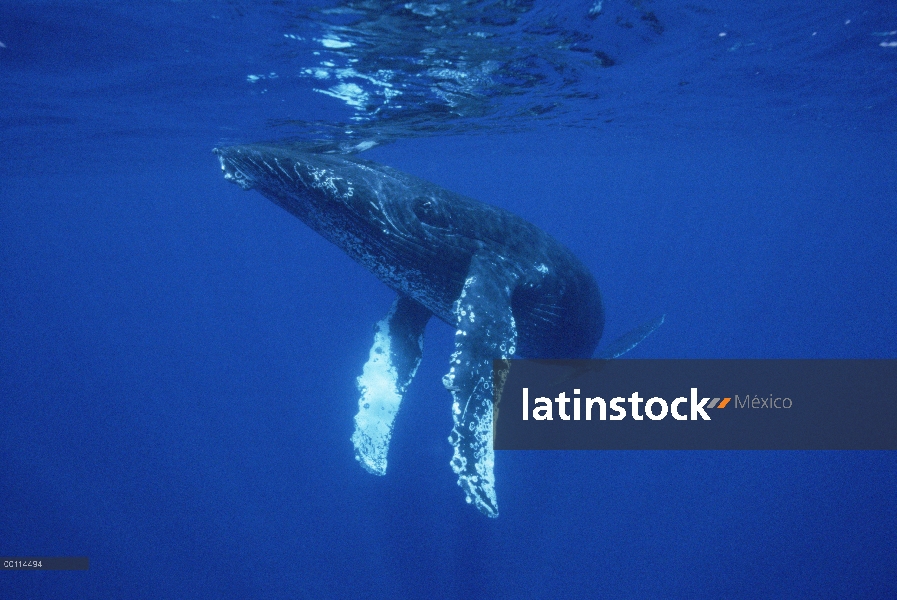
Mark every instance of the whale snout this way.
pixel 237 166
pixel 287 170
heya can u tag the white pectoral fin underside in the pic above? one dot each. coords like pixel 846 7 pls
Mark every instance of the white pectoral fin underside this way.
pixel 392 363
pixel 485 331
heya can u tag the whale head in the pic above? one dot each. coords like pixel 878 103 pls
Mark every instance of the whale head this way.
pixel 395 224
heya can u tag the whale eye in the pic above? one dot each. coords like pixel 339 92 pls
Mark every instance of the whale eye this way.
pixel 430 213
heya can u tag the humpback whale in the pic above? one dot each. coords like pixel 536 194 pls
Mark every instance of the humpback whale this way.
pixel 505 286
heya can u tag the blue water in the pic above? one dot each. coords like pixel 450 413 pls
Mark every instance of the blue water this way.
pixel 178 357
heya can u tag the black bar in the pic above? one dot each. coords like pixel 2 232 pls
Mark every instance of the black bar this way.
pixel 783 404
pixel 44 563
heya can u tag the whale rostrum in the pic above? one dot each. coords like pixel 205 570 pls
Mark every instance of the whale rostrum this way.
pixel 505 286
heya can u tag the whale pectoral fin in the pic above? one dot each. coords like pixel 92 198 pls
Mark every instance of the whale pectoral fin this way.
pixel 394 357
pixel 485 331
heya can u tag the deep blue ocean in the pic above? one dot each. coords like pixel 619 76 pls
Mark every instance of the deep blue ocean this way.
pixel 178 357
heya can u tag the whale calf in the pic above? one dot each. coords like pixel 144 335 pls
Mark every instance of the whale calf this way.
pixel 505 286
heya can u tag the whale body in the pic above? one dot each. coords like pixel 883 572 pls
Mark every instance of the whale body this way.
pixel 506 287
